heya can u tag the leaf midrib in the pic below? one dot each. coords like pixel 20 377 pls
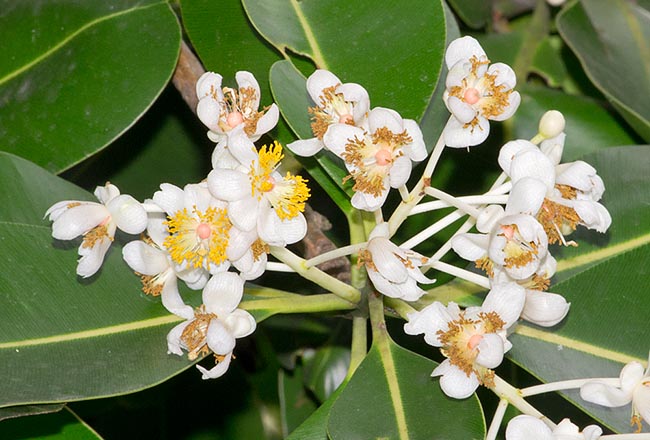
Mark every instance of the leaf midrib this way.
pixel 68 38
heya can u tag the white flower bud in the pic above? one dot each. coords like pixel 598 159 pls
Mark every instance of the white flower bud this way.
pixel 551 124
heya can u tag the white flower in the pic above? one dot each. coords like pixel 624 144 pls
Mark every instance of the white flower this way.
pixel 474 340
pixel 336 103
pixel 232 115
pixel 260 197
pixel 393 271
pixel 561 196
pixel 197 224
pixel 97 223
pixel 525 427
pixel 475 93
pixel 158 272
pixel 634 387
pixel 379 158
pixel 215 326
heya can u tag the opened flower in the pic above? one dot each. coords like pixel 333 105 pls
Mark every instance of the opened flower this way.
pixel 260 197
pixel 215 325
pixel 393 271
pixel 475 93
pixel 379 158
pixel 336 103
pixel 233 115
pixel 473 340
pixel 561 196
pixel 525 427
pixel 97 223
pixel 634 387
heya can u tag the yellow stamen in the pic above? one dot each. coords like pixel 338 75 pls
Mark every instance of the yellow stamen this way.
pixel 184 244
pixel 259 248
pixel 98 233
pixel 194 336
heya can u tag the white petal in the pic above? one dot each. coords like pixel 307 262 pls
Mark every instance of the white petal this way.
pixel 318 81
pixel 504 75
pixel 359 96
pixel 306 147
pixel 239 242
pixel 430 320
pixel 631 375
pixel 223 292
pixel 170 198
pixel 385 260
pixel 380 117
pixel 128 214
pixel 491 350
pixel 172 301
pixel 533 163
pixel 544 308
pixel 461 110
pixel 216 371
pixel 454 382
pixel 489 217
pixel 174 343
pixel 463 49
pixel 592 214
pixel 369 202
pixel 456 136
pixel 247 80
pixel 219 338
pixel 144 258
pixel 337 135
pixel 469 246
pixel 525 427
pixel 526 196
pixel 241 323
pixel 416 150
pixel 507 300
pixel 208 110
pixel 400 171
pixel 605 395
pixel 381 230
pixel 92 258
pixel 229 185
pixel 278 232
pixel 268 120
pixel 106 193
pixel 222 158
pixel 514 99
pixel 641 401
pixel 59 208
pixel 553 147
pixel 207 83
pixel 79 220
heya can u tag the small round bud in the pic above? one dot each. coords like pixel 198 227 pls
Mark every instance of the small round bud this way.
pixel 551 124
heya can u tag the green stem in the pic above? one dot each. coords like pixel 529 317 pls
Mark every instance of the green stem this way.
pixel 337 287
pixel 506 391
pixel 536 31
pixel 377 319
pixel 400 307
pixel 299 304
pixel 359 347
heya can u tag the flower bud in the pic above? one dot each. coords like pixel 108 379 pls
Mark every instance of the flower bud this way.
pixel 551 124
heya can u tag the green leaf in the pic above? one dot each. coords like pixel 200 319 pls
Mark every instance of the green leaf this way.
pixel 363 42
pixel 62 425
pixel 296 405
pixel 80 338
pixel 76 75
pixel 589 127
pixel 315 427
pixel 404 401
pixel 226 42
pixel 474 13
pixel 605 279
pixel 28 410
pixel 610 39
pixel 325 370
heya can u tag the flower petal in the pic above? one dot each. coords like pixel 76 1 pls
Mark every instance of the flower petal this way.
pixel 525 427
pixel 218 370
pixel 306 147
pixel 457 136
pixel 544 308
pixel 454 382
pixel 223 293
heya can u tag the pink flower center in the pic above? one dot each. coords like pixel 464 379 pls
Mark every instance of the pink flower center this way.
pixel 471 96
pixel 203 231
pixel 383 157
pixel 234 119
pixel 474 341
pixel 346 119
pixel 508 231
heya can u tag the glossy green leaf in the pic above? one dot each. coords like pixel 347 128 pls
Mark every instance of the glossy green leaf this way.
pixel 28 410
pixel 75 76
pixel 605 280
pixel 296 405
pixel 405 401
pixel 548 62
pixel 80 338
pixel 589 126
pixel 363 42
pixel 325 370
pixel 474 13
pixel 611 40
pixel 62 425
pixel 315 427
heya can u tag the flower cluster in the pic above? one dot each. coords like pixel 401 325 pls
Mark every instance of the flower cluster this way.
pixel 213 235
